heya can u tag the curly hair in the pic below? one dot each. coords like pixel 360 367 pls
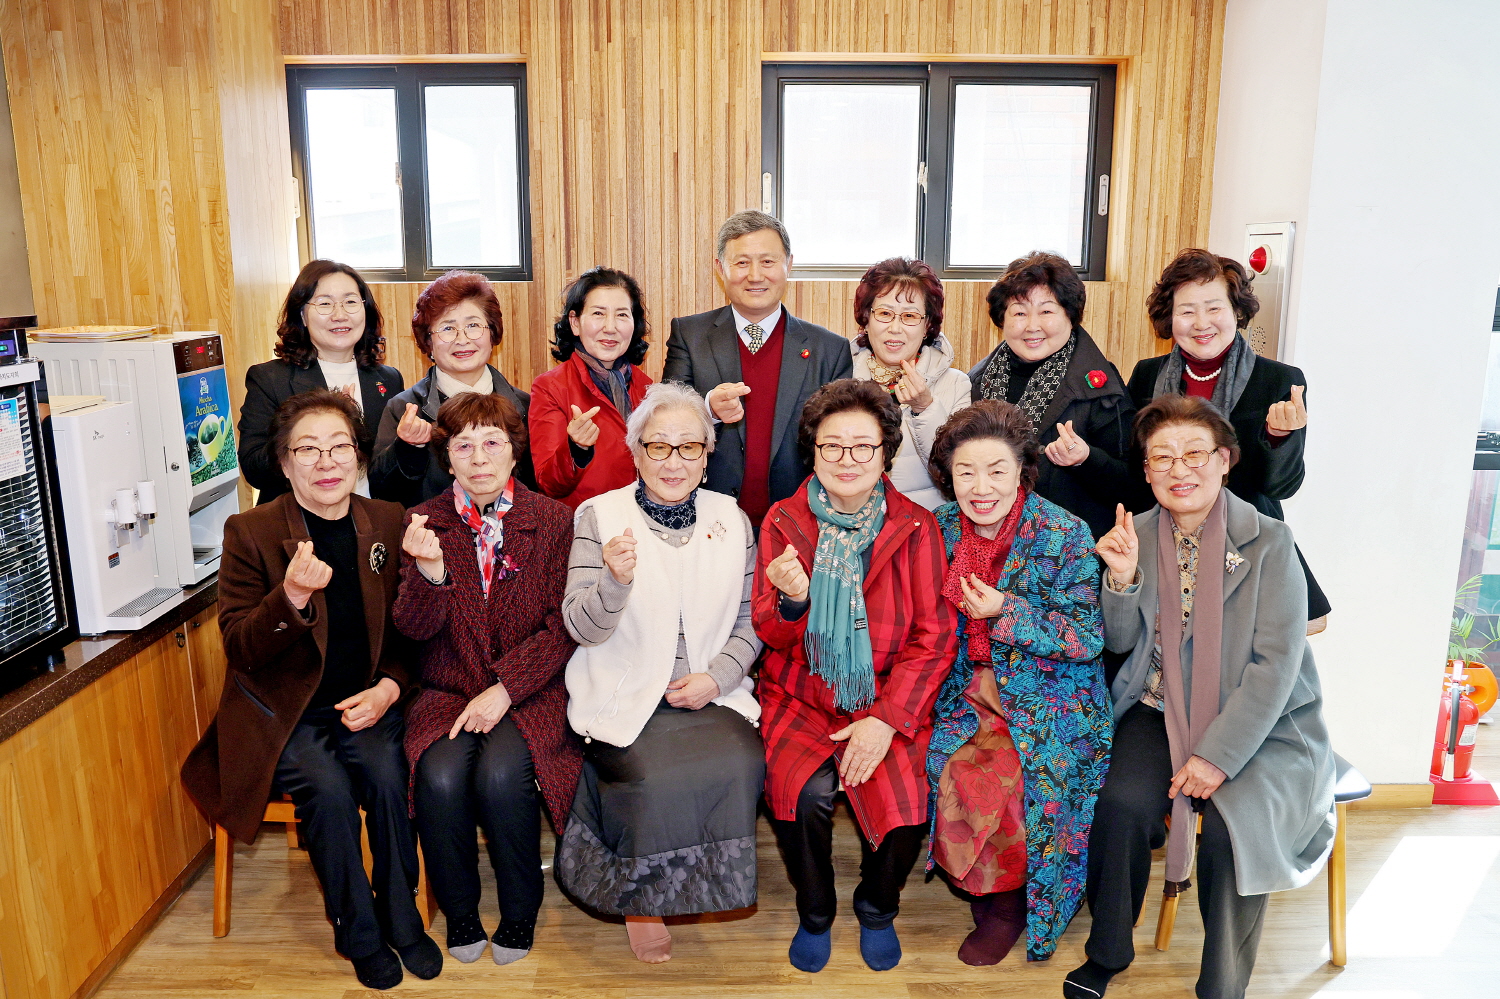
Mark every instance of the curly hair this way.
pixel 1038 270
pixel 1178 410
pixel 1194 266
pixel 476 409
pixel 851 395
pixel 565 341
pixel 448 291
pixel 987 419
pixel 293 340
pixel 320 400
pixel 899 274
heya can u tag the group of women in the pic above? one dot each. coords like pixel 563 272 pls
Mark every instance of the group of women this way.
pixel 950 622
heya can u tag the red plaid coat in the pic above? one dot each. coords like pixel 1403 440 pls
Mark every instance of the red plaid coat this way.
pixel 913 632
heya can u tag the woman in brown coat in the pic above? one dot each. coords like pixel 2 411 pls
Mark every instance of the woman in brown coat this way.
pixel 309 708
pixel 482 586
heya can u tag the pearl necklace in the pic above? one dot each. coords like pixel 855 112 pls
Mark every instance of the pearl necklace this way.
pixel 1202 378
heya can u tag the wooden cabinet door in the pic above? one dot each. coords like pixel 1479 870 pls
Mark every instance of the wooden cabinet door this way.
pixel 207 662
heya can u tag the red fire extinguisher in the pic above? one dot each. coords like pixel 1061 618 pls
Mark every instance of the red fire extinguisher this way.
pixel 1458 724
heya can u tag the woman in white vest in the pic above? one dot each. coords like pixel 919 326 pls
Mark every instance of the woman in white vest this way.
pixel 658 598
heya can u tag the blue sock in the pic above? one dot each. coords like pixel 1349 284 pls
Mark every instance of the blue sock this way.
pixel 881 949
pixel 809 951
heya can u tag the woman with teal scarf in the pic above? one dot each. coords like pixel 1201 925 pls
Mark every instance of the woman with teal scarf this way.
pixel 858 640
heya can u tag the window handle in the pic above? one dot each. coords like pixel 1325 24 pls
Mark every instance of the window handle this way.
pixel 398 173
pixel 765 193
pixel 1104 194
pixel 922 177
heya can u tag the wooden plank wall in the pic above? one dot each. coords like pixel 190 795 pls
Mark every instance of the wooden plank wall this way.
pixel 645 134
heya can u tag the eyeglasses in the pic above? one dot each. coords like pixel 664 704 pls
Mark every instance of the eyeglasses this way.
pixel 884 315
pixel 465 449
pixel 448 332
pixel 309 455
pixel 352 306
pixel 834 453
pixel 1164 462
pixel 661 450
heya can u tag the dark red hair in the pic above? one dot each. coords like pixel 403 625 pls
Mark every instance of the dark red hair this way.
pixel 448 291
pixel 899 274
pixel 1194 266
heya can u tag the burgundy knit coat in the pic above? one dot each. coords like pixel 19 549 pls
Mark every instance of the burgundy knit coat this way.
pixel 516 636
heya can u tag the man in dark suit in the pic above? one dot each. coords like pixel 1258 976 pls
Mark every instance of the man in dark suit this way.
pixel 755 364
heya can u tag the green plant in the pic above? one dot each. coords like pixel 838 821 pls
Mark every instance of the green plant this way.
pixel 1461 631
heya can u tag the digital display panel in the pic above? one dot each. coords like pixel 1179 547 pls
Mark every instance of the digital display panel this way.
pixel 208 424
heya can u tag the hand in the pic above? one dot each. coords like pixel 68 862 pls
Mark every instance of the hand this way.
pixel 785 572
pixel 1198 778
pixel 1284 417
pixel 912 390
pixel 423 546
pixel 1120 549
pixel 981 600
pixel 305 575
pixel 412 428
pixel 724 400
pixel 348 390
pixel 869 740
pixel 619 557
pixel 1069 449
pixel 692 691
pixel 370 705
pixel 483 712
pixel 581 428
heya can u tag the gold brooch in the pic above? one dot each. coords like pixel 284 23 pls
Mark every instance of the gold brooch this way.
pixel 1232 561
pixel 377 557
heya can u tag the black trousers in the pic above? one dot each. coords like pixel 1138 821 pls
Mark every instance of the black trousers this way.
pixel 331 773
pixel 1130 822
pixel 486 779
pixel 807 847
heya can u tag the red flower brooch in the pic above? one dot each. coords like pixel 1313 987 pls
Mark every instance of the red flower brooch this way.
pixel 381 387
pixel 1097 378
pixel 806 353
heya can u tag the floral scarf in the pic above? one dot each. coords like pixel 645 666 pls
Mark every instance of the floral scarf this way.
pixel 985 558
pixel 838 632
pixel 674 518
pixel 489 532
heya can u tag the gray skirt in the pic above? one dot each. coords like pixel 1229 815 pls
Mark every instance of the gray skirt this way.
pixel 666 826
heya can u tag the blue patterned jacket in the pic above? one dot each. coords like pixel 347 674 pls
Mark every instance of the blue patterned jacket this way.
pixel 1047 643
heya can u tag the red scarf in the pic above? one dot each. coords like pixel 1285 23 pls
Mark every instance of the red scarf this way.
pixel 985 558
pixel 489 533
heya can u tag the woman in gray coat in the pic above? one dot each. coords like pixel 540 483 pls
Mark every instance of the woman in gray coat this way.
pixel 1244 746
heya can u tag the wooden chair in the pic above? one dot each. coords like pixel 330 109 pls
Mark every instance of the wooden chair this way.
pixel 284 811
pixel 1349 785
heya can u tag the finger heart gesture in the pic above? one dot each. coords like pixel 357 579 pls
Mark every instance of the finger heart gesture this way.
pixel 1069 449
pixel 305 575
pixel 581 428
pixel 1284 417
pixel 619 557
pixel 1120 549
pixel 912 389
pixel 785 572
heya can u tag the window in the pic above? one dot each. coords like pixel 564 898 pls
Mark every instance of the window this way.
pixel 966 166
pixel 410 171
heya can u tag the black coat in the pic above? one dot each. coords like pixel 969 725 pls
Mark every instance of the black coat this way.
pixel 1102 416
pixel 409 474
pixel 704 351
pixel 271 383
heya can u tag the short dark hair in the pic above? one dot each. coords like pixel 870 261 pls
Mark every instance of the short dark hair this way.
pixel 1173 409
pixel 851 395
pixel 293 341
pixel 446 292
pixel 1194 266
pixel 749 221
pixel 319 400
pixel 987 419
pixel 565 341
pixel 1038 270
pixel 477 409
pixel 900 274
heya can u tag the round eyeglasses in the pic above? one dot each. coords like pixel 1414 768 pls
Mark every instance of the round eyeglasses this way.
pixel 834 453
pixel 448 332
pixel 661 450
pixel 465 449
pixel 1164 462
pixel 309 455
pixel 884 315
pixel 352 306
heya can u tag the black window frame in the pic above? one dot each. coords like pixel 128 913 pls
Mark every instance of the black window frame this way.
pixel 936 147
pixel 407 80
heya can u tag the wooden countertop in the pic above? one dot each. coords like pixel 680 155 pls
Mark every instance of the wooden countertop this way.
pixel 90 658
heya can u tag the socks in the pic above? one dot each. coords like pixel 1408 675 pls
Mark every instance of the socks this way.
pixel 881 949
pixel 380 970
pixel 809 951
pixel 466 937
pixel 513 939
pixel 999 921
pixel 1088 981
pixel 422 958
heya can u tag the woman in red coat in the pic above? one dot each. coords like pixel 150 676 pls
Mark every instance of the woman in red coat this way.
pixel 482 586
pixel 858 643
pixel 579 408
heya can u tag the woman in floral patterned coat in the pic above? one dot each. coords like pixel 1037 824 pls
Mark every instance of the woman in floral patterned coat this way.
pixel 1021 738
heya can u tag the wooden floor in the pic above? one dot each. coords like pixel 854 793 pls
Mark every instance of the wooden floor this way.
pixel 1426 928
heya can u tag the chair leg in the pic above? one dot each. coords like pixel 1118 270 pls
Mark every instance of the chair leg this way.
pixel 1166 920
pixel 223 879
pixel 426 900
pixel 1338 949
pixel 291 835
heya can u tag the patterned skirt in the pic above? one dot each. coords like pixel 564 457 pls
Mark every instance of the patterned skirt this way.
pixel 979 838
pixel 666 826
